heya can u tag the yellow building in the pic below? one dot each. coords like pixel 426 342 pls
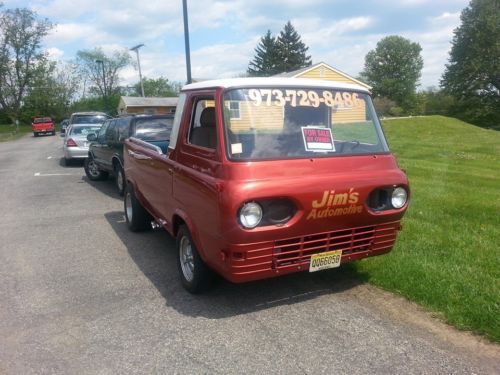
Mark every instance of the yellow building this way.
pixel 132 104
pixel 326 72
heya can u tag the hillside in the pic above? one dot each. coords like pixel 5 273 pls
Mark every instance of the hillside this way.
pixel 447 257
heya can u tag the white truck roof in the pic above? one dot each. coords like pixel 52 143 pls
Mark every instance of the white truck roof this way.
pixel 274 82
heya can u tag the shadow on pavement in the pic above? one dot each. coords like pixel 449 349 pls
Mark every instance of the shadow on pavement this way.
pixel 106 187
pixel 155 255
pixel 75 163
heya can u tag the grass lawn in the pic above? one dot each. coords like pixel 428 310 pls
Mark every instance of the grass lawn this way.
pixel 447 257
pixel 7 132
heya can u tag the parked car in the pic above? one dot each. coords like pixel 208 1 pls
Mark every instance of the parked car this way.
pixel 88 118
pixel 268 176
pixel 64 125
pixel 106 150
pixel 42 125
pixel 76 145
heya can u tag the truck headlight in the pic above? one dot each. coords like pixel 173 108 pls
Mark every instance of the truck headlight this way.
pixel 399 197
pixel 250 215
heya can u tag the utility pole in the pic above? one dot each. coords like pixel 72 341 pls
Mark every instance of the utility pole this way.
pixel 186 41
pixel 136 49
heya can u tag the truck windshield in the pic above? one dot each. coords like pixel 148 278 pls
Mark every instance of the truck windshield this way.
pixel 285 123
pixel 41 120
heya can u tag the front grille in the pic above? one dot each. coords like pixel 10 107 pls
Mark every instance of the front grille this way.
pixel 298 250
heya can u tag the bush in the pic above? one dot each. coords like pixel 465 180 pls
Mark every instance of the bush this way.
pixel 383 105
pixel 396 111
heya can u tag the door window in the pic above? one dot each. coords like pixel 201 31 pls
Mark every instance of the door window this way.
pixel 111 133
pixel 203 132
pixel 101 136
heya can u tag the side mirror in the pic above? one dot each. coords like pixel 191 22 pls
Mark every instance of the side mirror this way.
pixel 61 135
pixel 91 137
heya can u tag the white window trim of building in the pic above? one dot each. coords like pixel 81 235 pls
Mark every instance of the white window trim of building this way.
pixel 234 113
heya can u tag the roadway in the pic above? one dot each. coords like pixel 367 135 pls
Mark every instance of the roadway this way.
pixel 80 294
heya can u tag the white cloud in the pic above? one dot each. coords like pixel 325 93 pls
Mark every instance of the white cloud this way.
pixel 74 32
pixel 324 37
pixel 54 53
pixel 229 30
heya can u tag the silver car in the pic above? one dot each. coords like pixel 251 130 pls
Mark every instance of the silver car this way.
pixel 76 145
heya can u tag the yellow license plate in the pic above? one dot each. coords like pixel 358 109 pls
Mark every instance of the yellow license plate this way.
pixel 323 261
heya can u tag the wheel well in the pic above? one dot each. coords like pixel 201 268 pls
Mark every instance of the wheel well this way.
pixel 177 222
pixel 116 162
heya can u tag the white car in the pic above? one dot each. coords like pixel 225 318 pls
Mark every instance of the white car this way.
pixel 76 145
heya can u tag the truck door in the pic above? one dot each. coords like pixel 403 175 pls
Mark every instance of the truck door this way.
pixel 195 185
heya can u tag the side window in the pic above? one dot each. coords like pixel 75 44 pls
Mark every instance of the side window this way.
pixel 111 132
pixel 123 129
pixel 203 131
pixel 101 135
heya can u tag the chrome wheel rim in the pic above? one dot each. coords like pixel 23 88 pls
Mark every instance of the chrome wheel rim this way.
pixel 128 207
pixel 119 180
pixel 186 258
pixel 93 170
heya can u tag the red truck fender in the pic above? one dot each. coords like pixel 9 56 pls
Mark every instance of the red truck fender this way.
pixel 180 218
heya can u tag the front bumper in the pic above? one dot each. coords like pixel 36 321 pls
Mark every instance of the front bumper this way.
pixel 247 262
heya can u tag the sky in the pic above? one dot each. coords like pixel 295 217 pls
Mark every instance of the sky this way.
pixel 224 33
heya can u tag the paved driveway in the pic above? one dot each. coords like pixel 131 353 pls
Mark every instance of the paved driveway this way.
pixel 81 294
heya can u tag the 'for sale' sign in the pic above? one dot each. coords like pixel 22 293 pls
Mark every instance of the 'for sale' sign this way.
pixel 318 139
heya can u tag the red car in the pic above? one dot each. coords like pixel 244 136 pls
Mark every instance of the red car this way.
pixel 43 125
pixel 262 177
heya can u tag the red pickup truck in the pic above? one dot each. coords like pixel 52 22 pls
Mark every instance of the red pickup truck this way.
pixel 266 176
pixel 43 125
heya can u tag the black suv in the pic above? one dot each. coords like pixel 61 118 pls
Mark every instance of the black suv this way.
pixel 106 147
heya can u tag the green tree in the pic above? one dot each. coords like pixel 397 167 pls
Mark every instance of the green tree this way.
pixel 159 87
pixel 51 91
pixel 265 61
pixel 472 75
pixel 21 56
pixel 292 52
pixel 100 71
pixel 393 69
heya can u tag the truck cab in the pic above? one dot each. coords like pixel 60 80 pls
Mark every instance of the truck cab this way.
pixel 268 176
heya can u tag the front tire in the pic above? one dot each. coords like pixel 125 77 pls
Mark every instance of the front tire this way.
pixel 92 170
pixel 196 277
pixel 137 218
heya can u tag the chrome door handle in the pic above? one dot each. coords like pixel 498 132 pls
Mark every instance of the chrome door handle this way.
pixel 139 156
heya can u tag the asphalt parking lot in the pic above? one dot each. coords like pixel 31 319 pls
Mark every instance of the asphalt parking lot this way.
pixel 81 294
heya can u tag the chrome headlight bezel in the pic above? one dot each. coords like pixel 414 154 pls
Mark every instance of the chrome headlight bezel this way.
pixel 399 197
pixel 250 215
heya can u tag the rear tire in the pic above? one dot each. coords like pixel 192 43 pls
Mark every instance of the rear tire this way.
pixel 67 162
pixel 137 218
pixel 35 134
pixel 120 179
pixel 92 170
pixel 196 277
